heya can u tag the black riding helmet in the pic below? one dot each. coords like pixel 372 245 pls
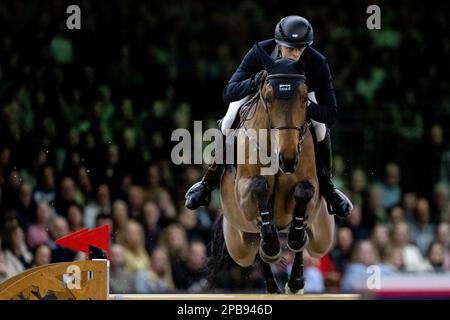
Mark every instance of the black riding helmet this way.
pixel 294 32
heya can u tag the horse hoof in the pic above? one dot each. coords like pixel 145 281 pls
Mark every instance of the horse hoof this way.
pixel 296 245
pixel 267 258
pixel 288 290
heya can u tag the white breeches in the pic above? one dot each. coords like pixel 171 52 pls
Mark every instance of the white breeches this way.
pixel 234 107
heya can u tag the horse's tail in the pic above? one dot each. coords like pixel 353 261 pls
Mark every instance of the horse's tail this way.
pixel 219 257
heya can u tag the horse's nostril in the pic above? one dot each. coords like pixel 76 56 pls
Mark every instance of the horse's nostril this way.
pixel 288 165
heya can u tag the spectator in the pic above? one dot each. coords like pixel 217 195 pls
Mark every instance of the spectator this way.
pixel 136 201
pixel 17 257
pixel 193 270
pixel 391 186
pixel 58 229
pixel 66 197
pixel 37 234
pixel 441 201
pixel 380 238
pixel 42 255
pixel 357 189
pixel 158 279
pixel 355 276
pixel 120 278
pixel 101 204
pixel 153 187
pixel 151 216
pixel 435 257
pixel 341 253
pixel 25 208
pixel 75 218
pixel 412 257
pixel 136 257
pixel 422 231
pixel 120 219
pixel 314 282
pixel 45 189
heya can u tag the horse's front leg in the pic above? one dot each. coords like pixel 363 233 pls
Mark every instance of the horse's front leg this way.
pixel 259 189
pixel 271 282
pixel 298 236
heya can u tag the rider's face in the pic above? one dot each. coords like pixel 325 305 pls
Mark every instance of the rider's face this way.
pixel 291 53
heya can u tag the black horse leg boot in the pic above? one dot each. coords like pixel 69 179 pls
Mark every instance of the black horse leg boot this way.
pixel 337 201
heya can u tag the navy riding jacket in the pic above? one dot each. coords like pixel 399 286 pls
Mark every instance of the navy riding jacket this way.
pixel 318 80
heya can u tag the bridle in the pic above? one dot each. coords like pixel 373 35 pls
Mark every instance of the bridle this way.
pixel 303 129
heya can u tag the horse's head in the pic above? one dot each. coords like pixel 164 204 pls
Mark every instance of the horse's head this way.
pixel 284 95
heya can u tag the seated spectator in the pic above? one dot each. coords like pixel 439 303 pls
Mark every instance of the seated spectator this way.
pixel 412 258
pixel 391 186
pixel 355 276
pixel 120 219
pixel 157 279
pixel 45 188
pixel 75 217
pixel 17 257
pixel 66 197
pixel 392 260
pixel 435 258
pixel 374 210
pixel 25 207
pixel 341 253
pixel 120 277
pixel 443 237
pixel 151 215
pixel 3 269
pixel 136 257
pixel 192 275
pixel 101 204
pixel 153 188
pixel 174 241
pixel 42 256
pixel 167 207
pixel 357 187
pixel 409 205
pixel 136 202
pixel 314 282
pixel 380 238
pixel 441 201
pixel 37 234
pixel 58 229
pixel 396 214
pixel 354 223
pixel 422 230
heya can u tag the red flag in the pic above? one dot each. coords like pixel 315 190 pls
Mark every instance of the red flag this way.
pixel 71 242
pixel 98 237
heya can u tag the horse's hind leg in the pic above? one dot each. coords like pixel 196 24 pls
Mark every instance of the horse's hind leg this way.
pixel 271 282
pixel 298 237
pixel 269 249
pixel 296 281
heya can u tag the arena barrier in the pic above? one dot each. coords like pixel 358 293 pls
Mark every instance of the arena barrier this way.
pixel 77 280
pixel 89 280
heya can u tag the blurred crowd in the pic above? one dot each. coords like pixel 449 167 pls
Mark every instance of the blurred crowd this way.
pixel 86 118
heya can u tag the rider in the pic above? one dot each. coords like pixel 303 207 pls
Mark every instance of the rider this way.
pixel 293 39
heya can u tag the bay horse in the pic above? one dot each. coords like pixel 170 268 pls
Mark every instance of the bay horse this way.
pixel 256 207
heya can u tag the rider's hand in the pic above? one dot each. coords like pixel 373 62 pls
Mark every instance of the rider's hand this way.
pixel 256 80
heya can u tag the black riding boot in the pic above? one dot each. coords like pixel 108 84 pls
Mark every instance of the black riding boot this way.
pixel 200 193
pixel 337 201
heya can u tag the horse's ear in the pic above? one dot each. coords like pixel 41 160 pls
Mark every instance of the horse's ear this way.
pixel 263 56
